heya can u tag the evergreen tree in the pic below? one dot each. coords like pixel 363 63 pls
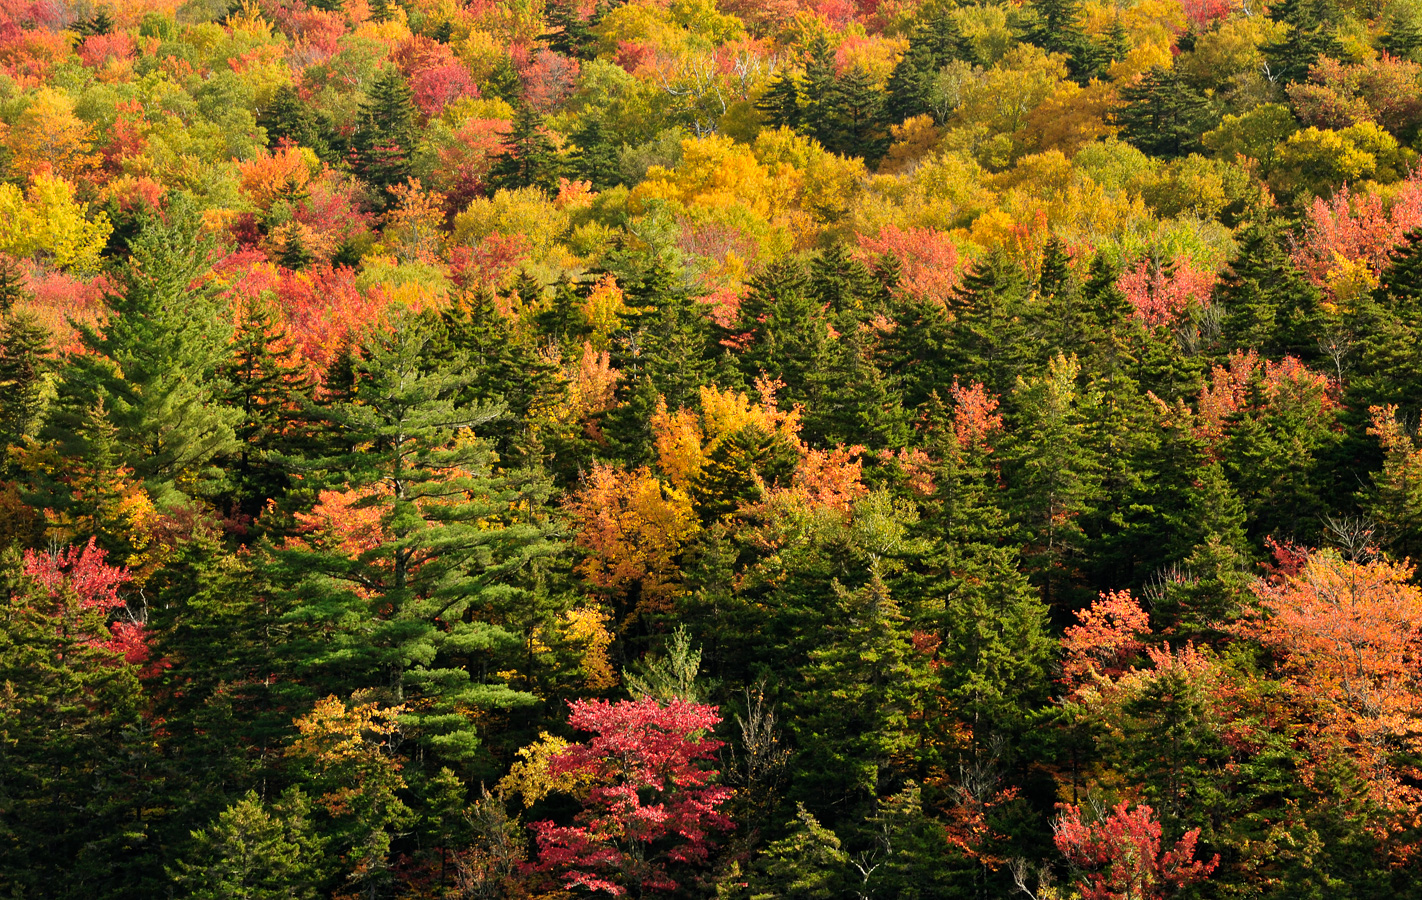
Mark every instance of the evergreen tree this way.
pixel 1053 478
pixel 262 379
pixel 386 133
pixel 1164 116
pixel 987 340
pixel 1057 29
pixel 863 688
pixel 568 32
pixel 781 102
pixel 851 401
pixel 288 118
pixel 787 329
pixel 816 116
pixel 530 159
pixel 25 359
pixel 415 614
pixel 1311 25
pixel 597 159
pixel 935 41
pixel 153 367
pixel 256 852
pixel 1268 305
pixel 852 113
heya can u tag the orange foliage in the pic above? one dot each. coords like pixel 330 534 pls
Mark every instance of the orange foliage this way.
pixel 1348 633
pixel 632 528
pixel 1106 641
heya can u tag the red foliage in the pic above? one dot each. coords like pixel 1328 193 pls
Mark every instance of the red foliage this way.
pixel 975 416
pixel 1121 857
pixel 61 299
pixel 464 163
pixel 931 268
pixel 1230 390
pixel 95 584
pixel 495 258
pixel 1107 640
pixel 98 49
pixel 548 78
pixel 1356 229
pixel 1202 13
pixel 651 805
pixel 1161 293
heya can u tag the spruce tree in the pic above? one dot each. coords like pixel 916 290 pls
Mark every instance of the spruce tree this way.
pixel 597 159
pixel 786 329
pixel 530 159
pixel 816 116
pixel 25 358
pixel 153 366
pixel 852 113
pixel 1057 29
pixel 781 102
pixel 1268 305
pixel 1164 116
pixel 935 41
pixel 256 850
pixel 262 378
pixel 987 340
pixel 387 130
pixel 1311 25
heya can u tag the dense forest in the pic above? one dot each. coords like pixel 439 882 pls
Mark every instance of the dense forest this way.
pixel 710 448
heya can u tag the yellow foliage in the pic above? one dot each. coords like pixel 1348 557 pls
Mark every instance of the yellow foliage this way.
pixel 718 173
pixel 914 139
pixel 587 625
pixel 530 777
pixel 603 309
pixel 47 221
pixel 49 138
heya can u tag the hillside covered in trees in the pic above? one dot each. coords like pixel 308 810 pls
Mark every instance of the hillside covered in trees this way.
pixel 710 448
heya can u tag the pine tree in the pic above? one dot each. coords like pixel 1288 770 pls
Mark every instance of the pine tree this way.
pixel 935 41
pixel 738 469
pixel 1268 305
pixel 416 613
pixel 1164 116
pixel 99 23
pixel 853 111
pixel 851 401
pixel 257 851
pixel 987 341
pixel 386 132
pixel 816 116
pixel 153 367
pixel 788 329
pixel 262 379
pixel 25 358
pixel 529 159
pixel 1053 477
pixel 288 118
pixel 854 716
pixel 568 32
pixel 1057 29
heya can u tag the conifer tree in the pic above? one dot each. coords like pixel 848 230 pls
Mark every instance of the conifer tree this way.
pixel 855 714
pixel 852 113
pixel 529 159
pixel 816 111
pixel 1164 116
pixel 262 379
pixel 850 400
pixel 597 160
pixel 153 367
pixel 1268 305
pixel 1057 29
pixel 255 850
pixel 288 118
pixel 410 614
pixel 987 341
pixel 25 358
pixel 781 102
pixel 1311 25
pixel 935 41
pixel 787 329
pixel 386 132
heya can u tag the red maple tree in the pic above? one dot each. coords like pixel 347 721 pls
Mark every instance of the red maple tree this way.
pixel 1120 857
pixel 652 808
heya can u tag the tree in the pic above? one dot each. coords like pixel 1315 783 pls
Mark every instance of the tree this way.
pixel 1120 856
pixel 935 41
pixel 781 102
pixel 597 159
pixel 852 112
pixel 1310 36
pixel 651 813
pixel 24 360
pixel 413 565
pixel 1163 115
pixel 529 158
pixel 386 133
pixel 153 366
pixel 255 852
pixel 1057 29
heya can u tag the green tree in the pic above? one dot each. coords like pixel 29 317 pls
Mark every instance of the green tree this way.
pixel 255 852
pixel 935 41
pixel 1310 35
pixel 529 159
pixel 387 130
pixel 1164 116
pixel 153 367
pixel 442 585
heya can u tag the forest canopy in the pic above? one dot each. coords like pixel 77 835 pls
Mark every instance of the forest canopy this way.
pixel 746 449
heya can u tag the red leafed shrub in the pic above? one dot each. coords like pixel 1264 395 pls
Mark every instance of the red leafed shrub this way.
pixel 82 571
pixel 651 808
pixel 1120 857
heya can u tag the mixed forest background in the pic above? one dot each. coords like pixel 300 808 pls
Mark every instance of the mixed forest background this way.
pixel 710 448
